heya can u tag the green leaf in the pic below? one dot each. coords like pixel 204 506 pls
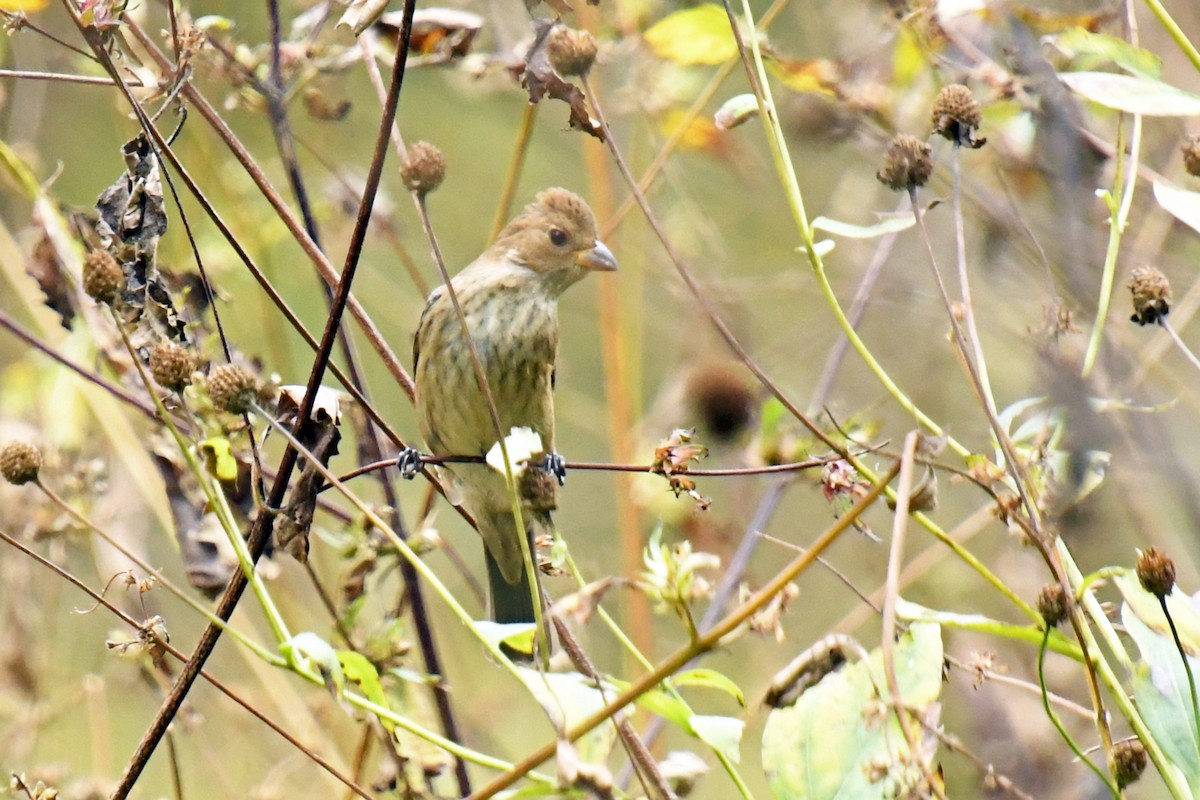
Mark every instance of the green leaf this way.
pixel 698 35
pixel 820 748
pixel 1132 94
pixel 517 635
pixel 723 734
pixel 1080 43
pixel 1179 203
pixel 711 679
pixel 890 225
pixel 221 461
pixel 569 698
pixel 359 670
pixel 1160 688
pixel 1149 611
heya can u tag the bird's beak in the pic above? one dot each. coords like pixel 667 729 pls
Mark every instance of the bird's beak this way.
pixel 599 258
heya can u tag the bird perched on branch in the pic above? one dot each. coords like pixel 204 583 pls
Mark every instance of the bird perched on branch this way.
pixel 509 298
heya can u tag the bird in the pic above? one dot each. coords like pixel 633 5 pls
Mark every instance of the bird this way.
pixel 509 298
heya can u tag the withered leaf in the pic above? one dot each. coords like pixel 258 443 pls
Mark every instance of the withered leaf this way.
pixel 321 438
pixel 131 209
pixel 540 80
pixel 46 268
pixel 438 34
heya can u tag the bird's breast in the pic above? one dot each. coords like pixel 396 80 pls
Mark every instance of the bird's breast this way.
pixel 516 336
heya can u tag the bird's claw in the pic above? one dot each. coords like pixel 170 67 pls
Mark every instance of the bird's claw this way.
pixel 409 463
pixel 556 465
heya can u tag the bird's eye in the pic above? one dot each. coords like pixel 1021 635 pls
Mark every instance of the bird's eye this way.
pixel 558 237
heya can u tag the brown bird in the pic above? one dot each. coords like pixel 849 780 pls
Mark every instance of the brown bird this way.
pixel 509 296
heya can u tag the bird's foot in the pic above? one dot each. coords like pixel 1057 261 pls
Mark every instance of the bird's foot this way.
pixel 556 465
pixel 409 463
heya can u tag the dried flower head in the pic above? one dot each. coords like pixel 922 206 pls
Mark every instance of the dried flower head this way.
pixel 571 51
pixel 1151 295
pixel 1191 156
pixel 171 364
pixel 1129 760
pixel 906 163
pixel 1052 604
pixel 956 116
pixel 424 168
pixel 103 278
pixel 232 388
pixel 1156 572
pixel 20 463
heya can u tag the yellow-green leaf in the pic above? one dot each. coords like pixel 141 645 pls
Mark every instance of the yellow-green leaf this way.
pixel 698 35
pixel 220 458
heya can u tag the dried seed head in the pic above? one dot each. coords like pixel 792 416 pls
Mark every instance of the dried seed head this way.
pixel 906 163
pixel 1052 604
pixel 956 115
pixel 721 398
pixel 1129 759
pixel 571 51
pixel 1191 156
pixel 20 463
pixel 232 388
pixel 103 278
pixel 171 364
pixel 1156 571
pixel 424 168
pixel 1151 295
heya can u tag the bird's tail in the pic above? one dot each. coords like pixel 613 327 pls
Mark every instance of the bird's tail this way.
pixel 509 584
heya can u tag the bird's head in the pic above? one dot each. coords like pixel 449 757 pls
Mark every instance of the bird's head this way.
pixel 555 236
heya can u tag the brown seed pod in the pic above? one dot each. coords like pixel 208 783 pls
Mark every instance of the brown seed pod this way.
pixel 103 278
pixel 1052 604
pixel 424 168
pixel 20 463
pixel 171 364
pixel 906 163
pixel 956 116
pixel 1156 572
pixel 1129 760
pixel 1191 156
pixel 232 388
pixel 571 51
pixel 1151 295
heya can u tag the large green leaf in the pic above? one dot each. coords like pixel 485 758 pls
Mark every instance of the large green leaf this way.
pixel 822 747
pixel 1133 94
pixel 698 35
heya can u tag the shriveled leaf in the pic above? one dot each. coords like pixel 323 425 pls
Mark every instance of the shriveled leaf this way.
pixel 540 80
pixel 1160 687
pixel 360 14
pixel 1080 43
pixel 45 267
pixel 1132 94
pixel 438 34
pixel 820 748
pixel 850 231
pixel 1179 203
pixel 698 35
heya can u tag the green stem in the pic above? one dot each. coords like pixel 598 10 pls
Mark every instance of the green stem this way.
pixel 1119 203
pixel 1176 33
pixel 1062 731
